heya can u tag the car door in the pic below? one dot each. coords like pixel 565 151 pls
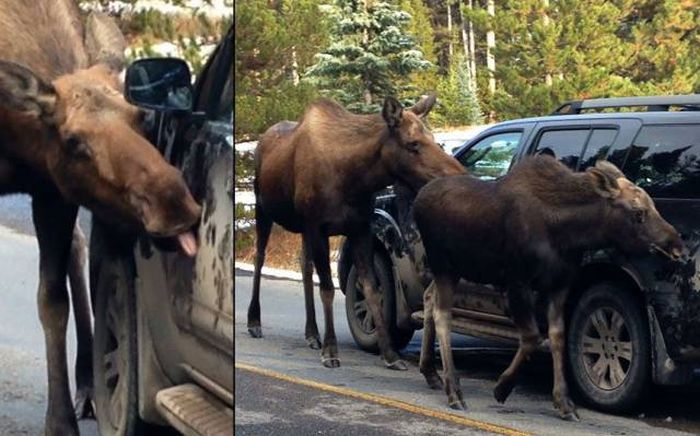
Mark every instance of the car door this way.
pixel 488 157
pixel 664 159
pixel 197 333
pixel 205 156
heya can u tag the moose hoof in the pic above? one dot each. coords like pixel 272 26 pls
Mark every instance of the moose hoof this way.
pixel 397 365
pixel 330 362
pixel 569 416
pixel 458 404
pixel 255 331
pixel 503 390
pixel 434 381
pixel 313 342
pixel 84 407
pixel 567 410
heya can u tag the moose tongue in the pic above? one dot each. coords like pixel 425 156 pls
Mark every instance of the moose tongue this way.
pixel 188 243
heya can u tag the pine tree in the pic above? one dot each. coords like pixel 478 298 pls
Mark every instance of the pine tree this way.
pixel 370 56
pixel 459 104
pixel 664 37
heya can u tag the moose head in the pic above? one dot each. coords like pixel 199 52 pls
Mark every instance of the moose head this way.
pixel 633 221
pixel 80 132
pixel 410 150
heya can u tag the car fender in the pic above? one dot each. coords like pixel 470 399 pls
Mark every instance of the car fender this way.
pixel 665 370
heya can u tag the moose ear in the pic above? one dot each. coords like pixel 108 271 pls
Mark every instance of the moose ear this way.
pixel 104 41
pixel 424 105
pixel 609 169
pixel 392 112
pixel 604 184
pixel 23 91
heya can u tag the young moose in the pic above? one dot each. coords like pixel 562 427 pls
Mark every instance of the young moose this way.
pixel 68 138
pixel 527 231
pixel 318 178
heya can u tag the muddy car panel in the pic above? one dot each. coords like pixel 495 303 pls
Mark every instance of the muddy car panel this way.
pixel 187 303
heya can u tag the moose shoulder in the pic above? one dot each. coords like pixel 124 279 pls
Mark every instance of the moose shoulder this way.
pixel 527 231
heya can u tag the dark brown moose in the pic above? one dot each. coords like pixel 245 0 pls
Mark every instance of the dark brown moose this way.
pixel 68 138
pixel 317 177
pixel 527 231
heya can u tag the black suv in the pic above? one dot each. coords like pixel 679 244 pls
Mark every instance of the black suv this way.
pixel 648 305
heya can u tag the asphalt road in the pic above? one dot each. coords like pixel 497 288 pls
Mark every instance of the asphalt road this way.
pixel 281 387
pixel 22 362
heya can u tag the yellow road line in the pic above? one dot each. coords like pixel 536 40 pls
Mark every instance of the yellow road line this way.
pixel 384 401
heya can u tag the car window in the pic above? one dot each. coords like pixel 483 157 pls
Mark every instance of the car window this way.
pixel 224 109
pixel 490 158
pixel 597 147
pixel 215 79
pixel 565 145
pixel 664 160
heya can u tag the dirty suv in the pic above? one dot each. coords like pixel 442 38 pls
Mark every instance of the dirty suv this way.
pixel 163 342
pixel 630 321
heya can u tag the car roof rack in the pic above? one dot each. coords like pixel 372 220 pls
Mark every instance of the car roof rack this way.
pixel 657 103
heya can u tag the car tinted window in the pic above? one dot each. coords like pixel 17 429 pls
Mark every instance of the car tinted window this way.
pixel 490 158
pixel 565 145
pixel 664 161
pixel 597 147
pixel 224 109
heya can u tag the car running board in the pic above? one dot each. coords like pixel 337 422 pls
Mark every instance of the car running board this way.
pixel 476 327
pixel 480 328
pixel 194 412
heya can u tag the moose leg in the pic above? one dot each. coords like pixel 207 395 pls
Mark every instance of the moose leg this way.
pixel 427 349
pixel 313 339
pixel 54 222
pixel 361 244
pixel 443 323
pixel 263 226
pixel 83 325
pixel 321 255
pixel 555 318
pixel 523 312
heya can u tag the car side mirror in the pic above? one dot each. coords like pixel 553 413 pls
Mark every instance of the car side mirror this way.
pixel 161 84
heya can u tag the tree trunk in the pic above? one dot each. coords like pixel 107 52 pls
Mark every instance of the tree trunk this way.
pixel 295 67
pixel 449 27
pixel 490 45
pixel 463 27
pixel 545 21
pixel 472 49
pixel 468 43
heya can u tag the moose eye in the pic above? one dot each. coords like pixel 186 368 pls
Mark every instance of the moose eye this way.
pixel 640 215
pixel 413 145
pixel 75 147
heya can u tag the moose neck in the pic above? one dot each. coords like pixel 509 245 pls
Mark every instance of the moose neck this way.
pixel 576 214
pixel 369 171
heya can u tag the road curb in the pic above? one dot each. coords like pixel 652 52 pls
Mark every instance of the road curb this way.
pixel 277 273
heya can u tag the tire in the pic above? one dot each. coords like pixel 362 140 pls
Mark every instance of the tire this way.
pixel 116 381
pixel 359 317
pixel 613 371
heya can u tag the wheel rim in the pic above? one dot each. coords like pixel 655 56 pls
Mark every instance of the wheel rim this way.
pixel 113 360
pixel 363 314
pixel 607 348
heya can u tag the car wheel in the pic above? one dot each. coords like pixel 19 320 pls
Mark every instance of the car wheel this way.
pixel 609 351
pixel 360 319
pixel 115 351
